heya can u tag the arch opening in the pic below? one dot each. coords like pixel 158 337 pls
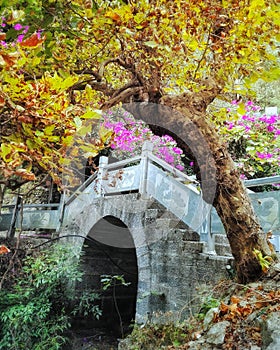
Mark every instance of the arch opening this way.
pixel 110 251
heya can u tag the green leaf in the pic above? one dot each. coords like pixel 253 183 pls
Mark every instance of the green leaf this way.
pixel 241 109
pixel 78 122
pixel 5 151
pixel 49 129
pixel 92 114
pixel 151 44
pixel 83 130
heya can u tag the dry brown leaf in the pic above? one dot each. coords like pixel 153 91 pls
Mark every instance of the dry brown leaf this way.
pixel 234 299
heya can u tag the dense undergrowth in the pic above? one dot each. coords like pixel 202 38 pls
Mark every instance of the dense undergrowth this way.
pixel 38 298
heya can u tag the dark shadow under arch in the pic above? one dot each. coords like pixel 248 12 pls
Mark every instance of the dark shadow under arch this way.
pixel 111 251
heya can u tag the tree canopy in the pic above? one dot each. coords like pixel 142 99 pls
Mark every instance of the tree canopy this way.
pixel 62 60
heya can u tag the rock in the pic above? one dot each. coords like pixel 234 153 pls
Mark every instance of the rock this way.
pixel 216 334
pixel 125 344
pixel 209 317
pixel 199 345
pixel 277 267
pixel 270 332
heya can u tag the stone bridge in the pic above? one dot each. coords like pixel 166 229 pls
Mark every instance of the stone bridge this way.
pixel 147 221
pixel 161 258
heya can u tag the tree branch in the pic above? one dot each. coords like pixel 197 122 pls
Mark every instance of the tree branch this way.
pixel 121 97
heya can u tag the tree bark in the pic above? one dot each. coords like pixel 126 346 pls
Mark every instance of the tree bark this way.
pixel 185 116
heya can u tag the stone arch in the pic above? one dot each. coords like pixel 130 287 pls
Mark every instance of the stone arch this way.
pixel 120 213
pixel 109 251
pixel 132 212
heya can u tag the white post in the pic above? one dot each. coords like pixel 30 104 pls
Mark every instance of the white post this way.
pixel 146 149
pixel 103 161
pixel 210 239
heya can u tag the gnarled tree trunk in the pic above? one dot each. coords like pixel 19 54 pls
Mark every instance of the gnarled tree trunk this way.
pixel 185 116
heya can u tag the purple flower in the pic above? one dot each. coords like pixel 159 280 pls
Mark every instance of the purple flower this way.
pixel 169 159
pixel 270 128
pixel 180 167
pixel 243 177
pixel 249 103
pixel 26 28
pixel 248 117
pixel 18 26
pixel 39 33
pixel 191 163
pixel 247 128
pixel 168 138
pixel 230 125
pixel 177 150
pixel 20 38
pixel 264 155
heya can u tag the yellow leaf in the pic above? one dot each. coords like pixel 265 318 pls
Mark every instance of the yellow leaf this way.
pixel 92 114
pixel 105 134
pixel 5 151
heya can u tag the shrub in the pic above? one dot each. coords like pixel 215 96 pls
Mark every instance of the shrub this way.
pixel 35 312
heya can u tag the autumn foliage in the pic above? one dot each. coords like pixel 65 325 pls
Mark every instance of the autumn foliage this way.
pixel 61 62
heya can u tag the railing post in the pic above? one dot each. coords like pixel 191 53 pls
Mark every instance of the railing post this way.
pixel 146 149
pixel 61 212
pixel 11 232
pixel 103 161
pixel 210 240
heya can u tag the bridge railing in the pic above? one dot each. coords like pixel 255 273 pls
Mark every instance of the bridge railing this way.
pixel 29 217
pixel 266 206
pixel 153 178
pixel 178 192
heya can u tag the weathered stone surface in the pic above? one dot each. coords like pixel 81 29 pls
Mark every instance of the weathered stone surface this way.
pixel 271 332
pixel 172 270
pixel 209 317
pixel 277 267
pixel 216 334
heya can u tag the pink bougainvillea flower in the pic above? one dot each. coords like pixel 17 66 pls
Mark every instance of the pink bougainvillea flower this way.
pixel 264 155
pixel 18 26
pixel 20 38
pixel 230 125
pixel 177 150
pixel 26 28
pixel 180 167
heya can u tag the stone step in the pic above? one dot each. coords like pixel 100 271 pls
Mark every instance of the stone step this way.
pixel 220 238
pixel 188 234
pixel 193 247
pixel 222 246
pixel 223 249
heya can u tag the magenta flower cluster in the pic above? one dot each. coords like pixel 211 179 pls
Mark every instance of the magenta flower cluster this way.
pixel 130 134
pixel 260 132
pixel 21 29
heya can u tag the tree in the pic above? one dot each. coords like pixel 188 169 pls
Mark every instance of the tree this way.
pixel 178 56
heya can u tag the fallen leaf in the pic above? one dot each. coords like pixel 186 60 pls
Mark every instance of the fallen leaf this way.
pixel 234 299
pixel 33 41
pixel 4 249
